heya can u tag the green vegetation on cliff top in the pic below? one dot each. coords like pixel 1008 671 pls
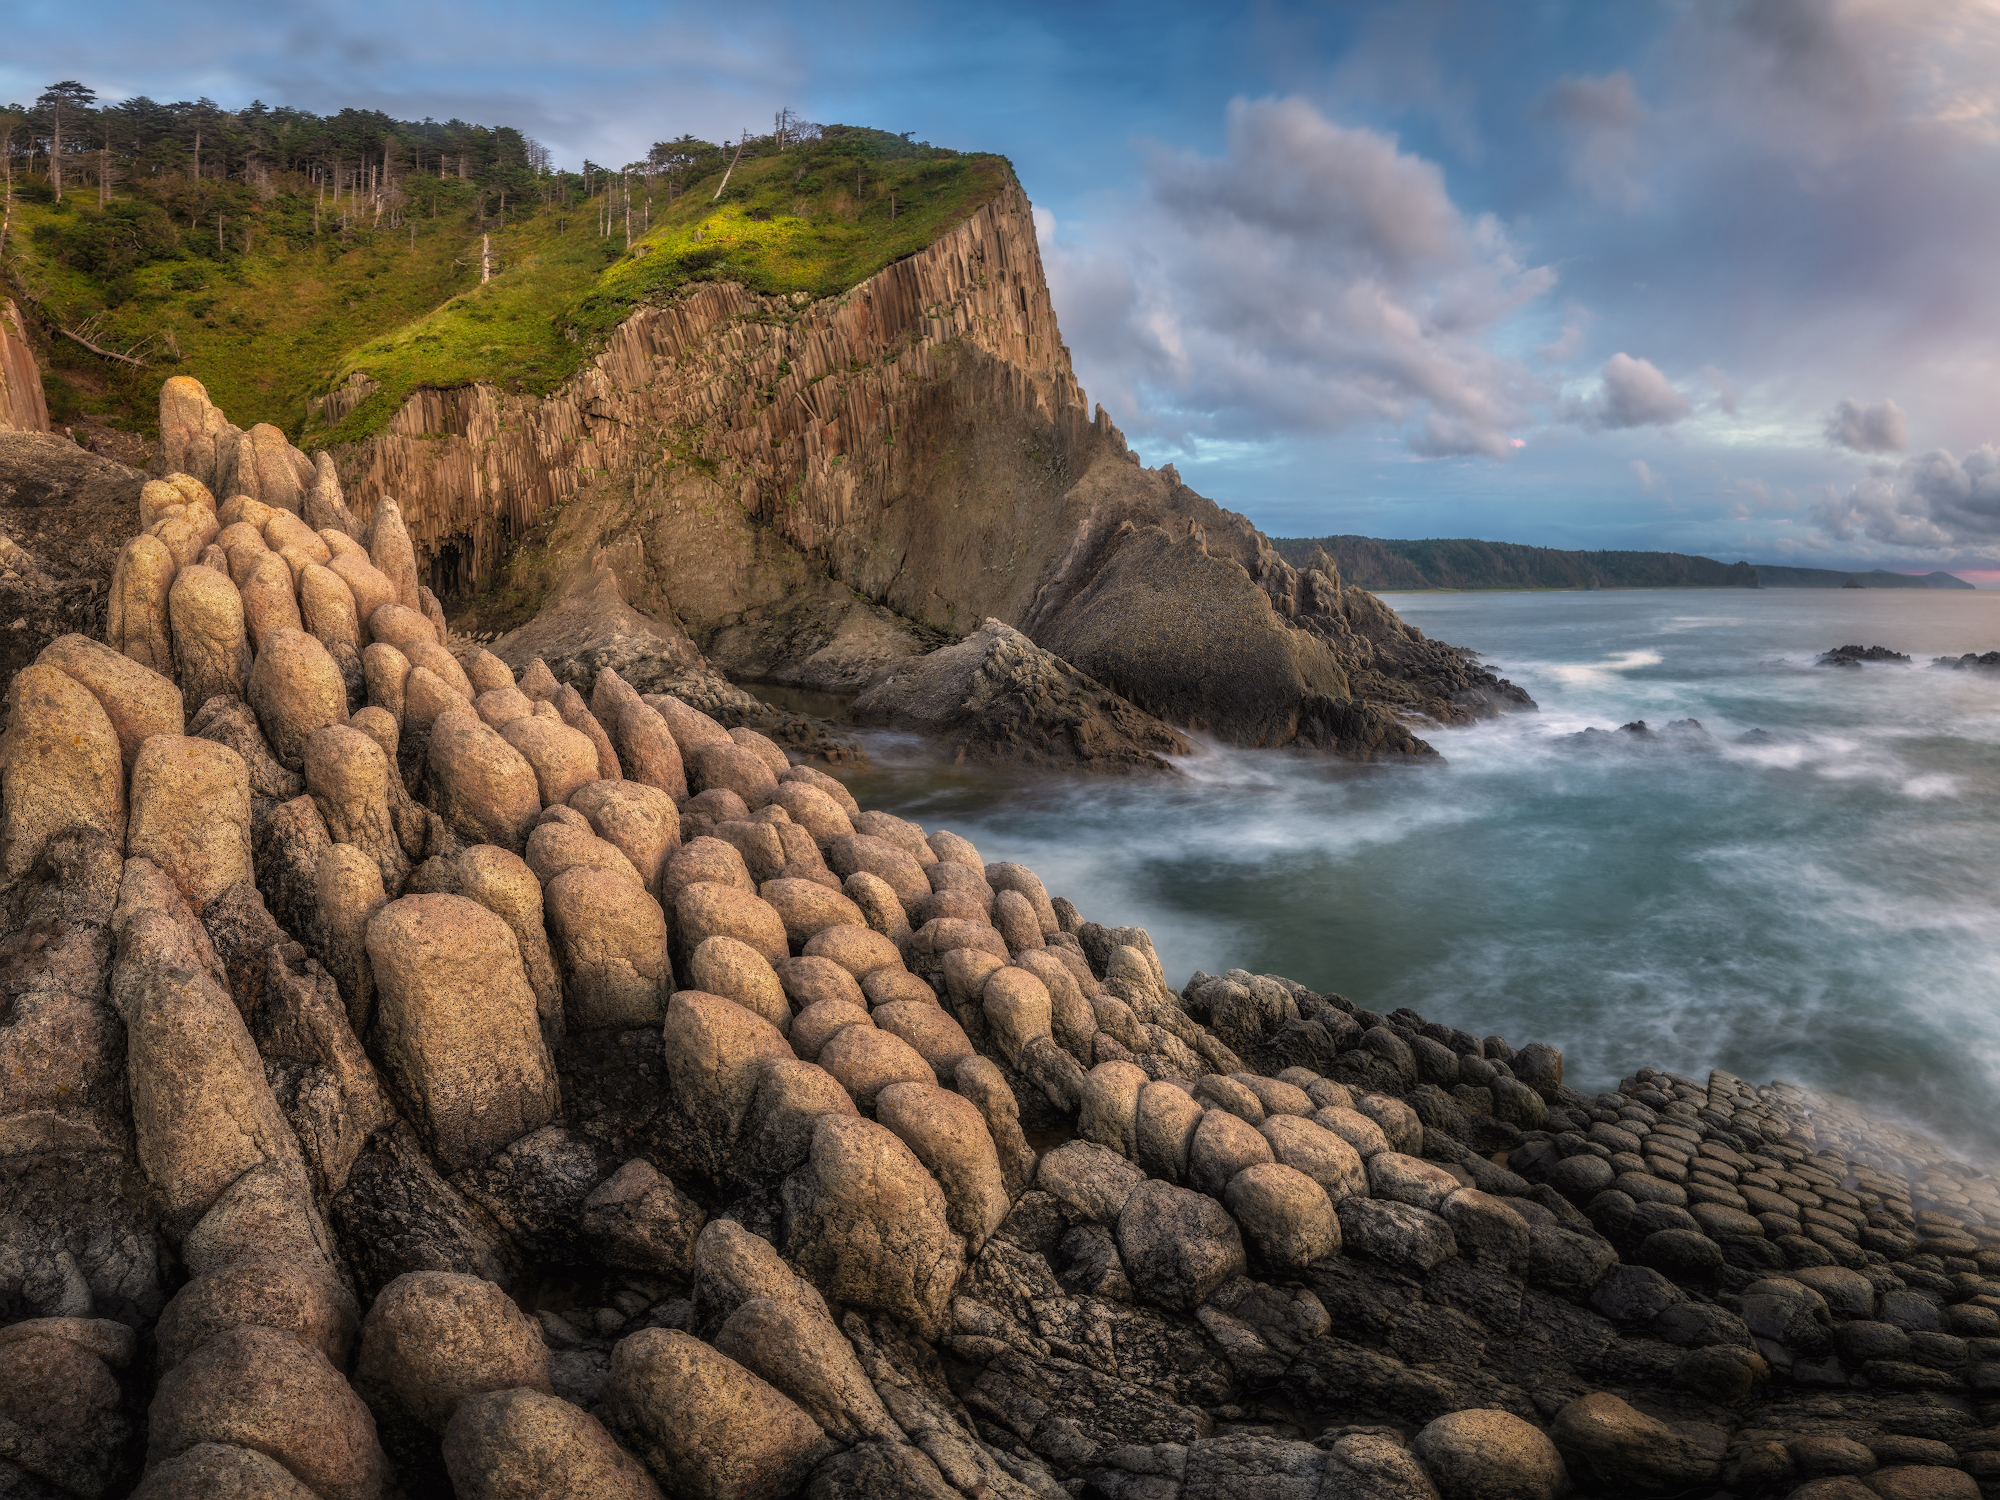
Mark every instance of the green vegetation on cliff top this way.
pixel 816 219
pixel 255 289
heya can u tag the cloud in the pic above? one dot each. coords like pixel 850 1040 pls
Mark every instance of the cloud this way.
pixel 1933 501
pixel 1600 118
pixel 1726 393
pixel 1564 345
pixel 1312 278
pixel 1636 394
pixel 1867 429
pixel 1648 479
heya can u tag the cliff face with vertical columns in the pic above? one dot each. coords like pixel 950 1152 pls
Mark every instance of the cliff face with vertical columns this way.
pixel 817 418
pixel 23 407
pixel 773 468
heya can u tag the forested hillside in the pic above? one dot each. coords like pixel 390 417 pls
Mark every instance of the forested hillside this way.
pixel 274 253
pixel 1466 564
pixel 1382 566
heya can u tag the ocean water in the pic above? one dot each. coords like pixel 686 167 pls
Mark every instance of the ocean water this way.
pixel 1819 902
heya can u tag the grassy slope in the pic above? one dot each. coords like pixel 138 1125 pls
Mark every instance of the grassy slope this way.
pixel 267 330
pixel 262 331
pixel 788 223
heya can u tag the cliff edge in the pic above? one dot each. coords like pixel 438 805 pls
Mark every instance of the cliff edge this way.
pixel 890 467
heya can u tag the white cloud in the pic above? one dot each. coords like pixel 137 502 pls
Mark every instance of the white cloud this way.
pixel 1933 501
pixel 1648 479
pixel 1877 428
pixel 1313 278
pixel 1636 394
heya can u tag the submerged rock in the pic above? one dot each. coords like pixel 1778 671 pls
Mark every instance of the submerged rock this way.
pixel 1854 656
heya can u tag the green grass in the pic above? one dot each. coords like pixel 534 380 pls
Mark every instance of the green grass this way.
pixel 261 331
pixel 267 330
pixel 786 224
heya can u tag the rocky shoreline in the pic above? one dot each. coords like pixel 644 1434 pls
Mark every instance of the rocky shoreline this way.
pixel 425 1075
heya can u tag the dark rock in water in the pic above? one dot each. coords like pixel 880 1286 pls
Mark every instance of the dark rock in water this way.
pixel 1683 733
pixel 1970 662
pixel 996 695
pixel 1854 656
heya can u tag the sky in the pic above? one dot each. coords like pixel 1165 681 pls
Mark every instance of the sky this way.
pixel 1712 276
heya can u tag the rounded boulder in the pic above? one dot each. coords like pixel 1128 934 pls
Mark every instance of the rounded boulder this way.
pixel 1284 1213
pixel 1178 1246
pixel 435 1337
pixel 190 814
pixel 808 908
pixel 457 1025
pixel 950 1138
pixel 690 1411
pixel 481 786
pixel 867 1225
pixel 610 939
pixel 563 758
pixel 526 1445
pixel 641 821
pixel 263 1389
pixel 730 967
pixel 705 910
pixel 1491 1455
pixel 864 1060
pixel 729 768
pixel 931 1033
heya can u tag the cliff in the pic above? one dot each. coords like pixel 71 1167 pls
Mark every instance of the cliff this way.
pixel 1382 566
pixel 23 407
pixel 806 414
pixel 807 487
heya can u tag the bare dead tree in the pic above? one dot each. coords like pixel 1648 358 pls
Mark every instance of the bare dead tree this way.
pixel 11 120
pixel 89 332
pixel 732 165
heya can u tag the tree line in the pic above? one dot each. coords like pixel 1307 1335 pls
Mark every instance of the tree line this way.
pixel 69 139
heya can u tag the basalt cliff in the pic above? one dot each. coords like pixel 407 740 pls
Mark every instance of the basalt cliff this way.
pixel 816 492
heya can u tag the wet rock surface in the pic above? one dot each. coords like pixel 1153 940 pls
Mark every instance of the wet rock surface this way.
pixel 436 1123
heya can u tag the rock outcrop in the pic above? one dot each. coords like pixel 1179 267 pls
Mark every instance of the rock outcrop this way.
pixel 23 407
pixel 997 696
pixel 687 1150
pixel 850 483
pixel 64 516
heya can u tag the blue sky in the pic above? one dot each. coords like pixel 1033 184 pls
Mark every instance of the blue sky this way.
pixel 1715 277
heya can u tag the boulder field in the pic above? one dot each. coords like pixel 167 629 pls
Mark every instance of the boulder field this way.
pixel 423 1077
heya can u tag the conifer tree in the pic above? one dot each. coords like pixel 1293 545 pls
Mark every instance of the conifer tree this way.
pixel 63 103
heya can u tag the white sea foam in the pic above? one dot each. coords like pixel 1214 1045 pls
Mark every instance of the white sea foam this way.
pixel 1820 903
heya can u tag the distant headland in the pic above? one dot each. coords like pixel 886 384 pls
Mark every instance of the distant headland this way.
pixel 1381 565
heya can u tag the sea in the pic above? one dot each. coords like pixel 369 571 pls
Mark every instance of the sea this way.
pixel 1805 887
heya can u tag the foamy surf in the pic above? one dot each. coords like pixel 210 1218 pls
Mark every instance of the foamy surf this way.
pixel 1813 902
